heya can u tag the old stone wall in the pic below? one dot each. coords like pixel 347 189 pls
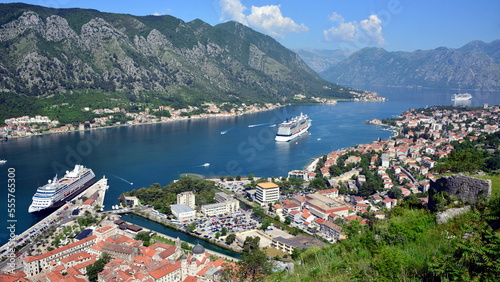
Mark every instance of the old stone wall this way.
pixel 468 190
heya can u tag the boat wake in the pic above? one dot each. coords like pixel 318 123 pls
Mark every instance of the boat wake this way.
pixel 259 124
pixel 204 165
pixel 225 131
pixel 122 179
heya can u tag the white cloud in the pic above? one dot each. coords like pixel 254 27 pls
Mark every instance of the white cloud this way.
pixel 372 30
pixel 334 17
pixel 267 19
pixel 367 32
pixel 233 10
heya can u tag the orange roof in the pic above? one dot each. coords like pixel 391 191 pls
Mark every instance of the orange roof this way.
pixel 190 278
pixel 157 274
pixel 218 263
pixel 148 252
pixel 203 271
pixel 267 185
pixel 88 202
pixel 76 257
pixel 103 229
pixel 61 249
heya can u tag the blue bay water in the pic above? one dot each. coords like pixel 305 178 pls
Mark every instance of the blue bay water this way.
pixel 137 156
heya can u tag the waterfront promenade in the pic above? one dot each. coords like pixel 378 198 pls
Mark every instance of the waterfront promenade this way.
pixel 58 217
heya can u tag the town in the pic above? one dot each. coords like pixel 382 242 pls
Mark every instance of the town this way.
pixel 307 208
pixel 26 126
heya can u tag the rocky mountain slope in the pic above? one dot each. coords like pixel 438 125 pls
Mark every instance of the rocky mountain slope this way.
pixel 45 51
pixel 321 59
pixel 476 65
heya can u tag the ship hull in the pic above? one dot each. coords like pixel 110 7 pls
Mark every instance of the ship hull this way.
pixel 70 190
pixel 287 138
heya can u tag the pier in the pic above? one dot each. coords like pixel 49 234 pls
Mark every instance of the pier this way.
pixel 59 216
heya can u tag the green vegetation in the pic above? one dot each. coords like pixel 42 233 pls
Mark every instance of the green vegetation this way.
pixel 94 269
pixel 411 246
pixel 144 237
pixel 163 239
pixel 473 155
pixel 230 238
pixel 162 197
pixel 253 266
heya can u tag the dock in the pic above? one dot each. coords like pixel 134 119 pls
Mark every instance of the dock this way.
pixel 55 217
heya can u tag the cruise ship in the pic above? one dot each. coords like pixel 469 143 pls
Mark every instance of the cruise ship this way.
pixel 292 128
pixel 58 191
pixel 461 97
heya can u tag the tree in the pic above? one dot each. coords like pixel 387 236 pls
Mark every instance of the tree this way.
pixel 191 227
pixel 144 237
pixel 251 176
pixel 217 234
pixel 254 265
pixel 94 269
pixel 258 212
pixel 277 218
pixel 288 220
pixel 230 238
pixel 185 246
pixel 395 193
pixel 238 177
pixel 224 231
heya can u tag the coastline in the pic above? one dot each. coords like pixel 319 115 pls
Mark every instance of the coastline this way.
pixel 227 115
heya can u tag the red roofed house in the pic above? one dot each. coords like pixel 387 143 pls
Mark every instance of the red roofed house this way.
pixel 361 207
pixel 42 263
pixel 389 203
pixel 88 202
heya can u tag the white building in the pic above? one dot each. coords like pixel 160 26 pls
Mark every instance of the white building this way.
pixel 187 198
pixel 182 211
pixel 267 192
pixel 220 208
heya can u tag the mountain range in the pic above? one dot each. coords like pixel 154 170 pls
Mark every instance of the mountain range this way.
pixel 63 52
pixel 475 65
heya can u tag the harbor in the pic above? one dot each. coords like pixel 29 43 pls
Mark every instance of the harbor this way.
pixel 58 217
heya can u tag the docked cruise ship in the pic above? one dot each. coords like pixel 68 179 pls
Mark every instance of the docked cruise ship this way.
pixel 58 191
pixel 461 97
pixel 292 128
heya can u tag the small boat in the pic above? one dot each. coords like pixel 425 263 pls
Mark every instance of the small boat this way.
pixel 3 161
pixel 206 164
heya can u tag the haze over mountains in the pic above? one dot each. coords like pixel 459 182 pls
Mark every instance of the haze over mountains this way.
pixel 476 65
pixel 45 51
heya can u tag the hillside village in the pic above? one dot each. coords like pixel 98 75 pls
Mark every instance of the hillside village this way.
pixel 322 200
pixel 26 126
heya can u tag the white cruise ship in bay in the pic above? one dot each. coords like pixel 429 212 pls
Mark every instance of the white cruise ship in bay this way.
pixel 292 128
pixel 461 97
pixel 59 191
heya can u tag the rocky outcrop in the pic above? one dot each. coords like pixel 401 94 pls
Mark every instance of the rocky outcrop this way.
pixel 447 215
pixel 457 189
pixel 45 51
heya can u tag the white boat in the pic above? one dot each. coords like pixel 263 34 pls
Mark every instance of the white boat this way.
pixel 206 164
pixel 293 128
pixel 3 161
pixel 461 97
pixel 59 191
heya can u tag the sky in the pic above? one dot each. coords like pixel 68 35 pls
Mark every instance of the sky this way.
pixel 395 25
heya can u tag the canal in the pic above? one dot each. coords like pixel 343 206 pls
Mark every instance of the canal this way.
pixel 141 221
